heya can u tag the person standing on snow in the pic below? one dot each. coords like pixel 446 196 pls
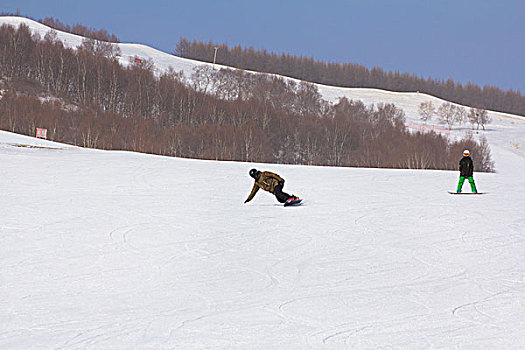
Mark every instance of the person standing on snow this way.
pixel 466 171
pixel 269 182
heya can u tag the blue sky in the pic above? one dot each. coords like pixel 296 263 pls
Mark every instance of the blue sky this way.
pixel 478 41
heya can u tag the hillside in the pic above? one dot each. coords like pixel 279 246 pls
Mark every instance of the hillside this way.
pixel 162 63
pixel 345 74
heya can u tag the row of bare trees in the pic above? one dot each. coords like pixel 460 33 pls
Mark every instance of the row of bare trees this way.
pixel 451 114
pixel 352 75
pixel 354 136
pixel 85 97
pixel 79 29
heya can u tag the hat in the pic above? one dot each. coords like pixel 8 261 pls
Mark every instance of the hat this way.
pixel 466 153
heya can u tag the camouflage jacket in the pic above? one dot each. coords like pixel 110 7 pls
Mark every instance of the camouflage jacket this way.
pixel 267 181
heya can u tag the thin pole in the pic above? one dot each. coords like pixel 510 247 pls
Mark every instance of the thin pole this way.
pixel 214 57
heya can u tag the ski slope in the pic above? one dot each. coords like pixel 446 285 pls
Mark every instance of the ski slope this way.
pixel 120 250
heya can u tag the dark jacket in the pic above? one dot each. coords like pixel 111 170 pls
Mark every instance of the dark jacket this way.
pixel 267 181
pixel 466 167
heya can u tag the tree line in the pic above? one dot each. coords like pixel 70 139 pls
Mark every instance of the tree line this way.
pixel 78 29
pixel 83 96
pixel 352 75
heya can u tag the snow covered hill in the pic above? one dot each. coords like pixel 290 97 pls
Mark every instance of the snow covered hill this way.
pixel 119 250
pixel 409 102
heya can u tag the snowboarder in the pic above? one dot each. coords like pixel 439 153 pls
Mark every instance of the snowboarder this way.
pixel 466 171
pixel 270 182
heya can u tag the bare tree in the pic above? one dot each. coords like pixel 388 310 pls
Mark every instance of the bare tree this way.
pixel 203 78
pixel 426 110
pixel 483 118
pixel 100 48
pixel 461 114
pixel 487 164
pixel 388 112
pixel 451 114
pixel 51 36
pixel 478 117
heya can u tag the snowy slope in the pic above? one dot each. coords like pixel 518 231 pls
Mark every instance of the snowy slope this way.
pixel 118 250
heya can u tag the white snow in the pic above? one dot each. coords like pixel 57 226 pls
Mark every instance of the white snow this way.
pixel 120 250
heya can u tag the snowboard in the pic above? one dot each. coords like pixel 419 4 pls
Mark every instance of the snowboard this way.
pixel 466 192
pixel 293 202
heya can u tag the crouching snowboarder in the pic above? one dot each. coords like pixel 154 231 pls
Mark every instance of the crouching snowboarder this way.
pixel 466 171
pixel 272 183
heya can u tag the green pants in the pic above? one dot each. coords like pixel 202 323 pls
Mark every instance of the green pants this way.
pixel 470 180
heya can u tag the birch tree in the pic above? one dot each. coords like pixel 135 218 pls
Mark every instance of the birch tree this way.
pixel 427 111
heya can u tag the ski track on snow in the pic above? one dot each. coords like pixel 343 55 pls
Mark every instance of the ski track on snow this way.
pixel 123 256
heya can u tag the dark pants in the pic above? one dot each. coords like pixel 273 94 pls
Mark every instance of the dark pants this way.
pixel 279 194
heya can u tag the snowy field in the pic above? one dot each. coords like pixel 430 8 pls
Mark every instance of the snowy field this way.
pixel 119 250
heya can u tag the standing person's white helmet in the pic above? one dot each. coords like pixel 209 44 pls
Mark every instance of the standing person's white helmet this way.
pixel 466 153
